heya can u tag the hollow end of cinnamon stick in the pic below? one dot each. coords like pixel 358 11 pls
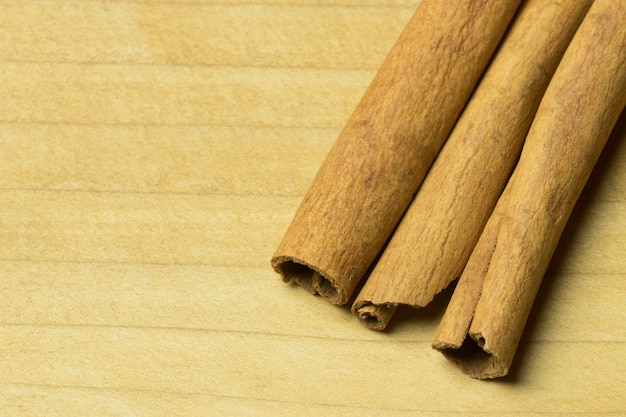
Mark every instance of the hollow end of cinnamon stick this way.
pixel 329 290
pixel 316 282
pixel 373 316
pixel 291 270
pixel 473 358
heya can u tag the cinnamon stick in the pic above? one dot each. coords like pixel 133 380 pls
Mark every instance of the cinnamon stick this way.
pixel 382 155
pixel 578 112
pixel 438 232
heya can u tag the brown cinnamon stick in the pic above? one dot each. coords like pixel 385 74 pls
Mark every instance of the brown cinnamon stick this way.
pixel 438 232
pixel 579 109
pixel 382 155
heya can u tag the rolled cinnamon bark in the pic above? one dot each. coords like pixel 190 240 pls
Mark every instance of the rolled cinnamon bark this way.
pixel 382 155
pixel 581 105
pixel 438 232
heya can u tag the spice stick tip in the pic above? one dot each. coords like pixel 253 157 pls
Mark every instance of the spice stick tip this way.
pixel 316 282
pixel 374 316
pixel 473 358
pixel 292 270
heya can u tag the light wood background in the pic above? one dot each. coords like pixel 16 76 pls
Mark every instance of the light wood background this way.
pixel 152 154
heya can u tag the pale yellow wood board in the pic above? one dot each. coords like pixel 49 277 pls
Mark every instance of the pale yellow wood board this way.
pixel 152 154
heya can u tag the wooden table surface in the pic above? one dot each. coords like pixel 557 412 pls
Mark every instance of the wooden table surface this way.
pixel 152 154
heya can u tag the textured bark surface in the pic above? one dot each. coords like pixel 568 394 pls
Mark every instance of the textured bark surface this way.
pixel 574 120
pixel 438 232
pixel 381 157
